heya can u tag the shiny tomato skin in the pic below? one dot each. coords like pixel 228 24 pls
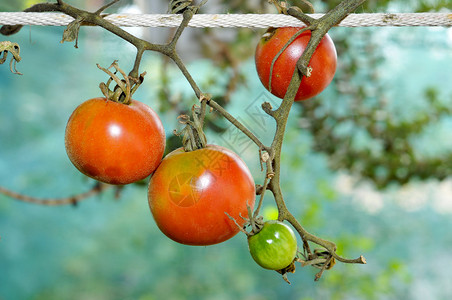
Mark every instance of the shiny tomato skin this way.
pixel 323 62
pixel 274 247
pixel 191 192
pixel 113 142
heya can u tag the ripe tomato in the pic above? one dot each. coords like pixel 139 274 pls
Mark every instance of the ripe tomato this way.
pixel 191 192
pixel 113 142
pixel 323 62
pixel 274 247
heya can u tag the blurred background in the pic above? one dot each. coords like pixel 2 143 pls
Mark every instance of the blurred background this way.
pixel 366 164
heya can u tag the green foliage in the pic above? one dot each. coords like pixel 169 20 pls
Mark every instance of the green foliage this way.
pixel 362 131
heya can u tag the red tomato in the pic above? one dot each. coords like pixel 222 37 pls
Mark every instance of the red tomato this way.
pixel 191 192
pixel 113 142
pixel 323 62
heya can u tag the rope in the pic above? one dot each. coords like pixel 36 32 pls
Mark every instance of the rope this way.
pixel 232 20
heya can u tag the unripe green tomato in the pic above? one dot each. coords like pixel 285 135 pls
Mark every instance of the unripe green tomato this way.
pixel 274 247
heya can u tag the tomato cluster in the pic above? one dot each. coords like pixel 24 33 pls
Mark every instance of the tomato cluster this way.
pixel 194 196
pixel 199 197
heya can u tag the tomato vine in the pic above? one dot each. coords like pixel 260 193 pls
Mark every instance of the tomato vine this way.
pixel 270 155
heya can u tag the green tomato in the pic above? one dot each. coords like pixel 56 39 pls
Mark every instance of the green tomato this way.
pixel 274 247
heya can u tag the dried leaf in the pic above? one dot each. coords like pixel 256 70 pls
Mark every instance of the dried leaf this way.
pixel 70 34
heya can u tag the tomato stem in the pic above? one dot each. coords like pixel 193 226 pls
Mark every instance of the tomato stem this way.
pixel 124 89
pixel 281 6
pixel 193 136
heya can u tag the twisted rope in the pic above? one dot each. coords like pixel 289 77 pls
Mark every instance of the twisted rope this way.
pixel 232 20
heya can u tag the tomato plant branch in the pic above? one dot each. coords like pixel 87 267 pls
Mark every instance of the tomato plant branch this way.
pixel 264 157
pixel 236 123
pixel 103 7
pixel 95 190
pixel 318 28
pixel 272 160
pixel 321 26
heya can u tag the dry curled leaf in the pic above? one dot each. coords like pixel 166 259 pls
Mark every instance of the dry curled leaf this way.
pixel 13 48
pixel 70 34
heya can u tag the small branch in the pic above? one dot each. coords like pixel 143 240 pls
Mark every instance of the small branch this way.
pixel 237 224
pixel 236 123
pixel 268 109
pixel 307 7
pixel 266 158
pixel 97 189
pixel 106 6
pixel 319 274
pixel 178 61
pixel 308 20
pixel 136 67
pixel 329 246
pixel 187 16
pixel 202 114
